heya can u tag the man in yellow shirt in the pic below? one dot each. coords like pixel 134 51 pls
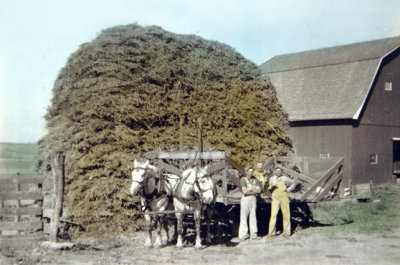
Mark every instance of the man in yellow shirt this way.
pixel 262 176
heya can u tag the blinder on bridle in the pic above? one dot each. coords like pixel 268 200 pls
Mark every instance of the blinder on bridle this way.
pixel 145 175
pixel 204 190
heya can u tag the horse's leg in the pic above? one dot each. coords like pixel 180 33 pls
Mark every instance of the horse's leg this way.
pixel 179 242
pixel 175 234
pixel 164 226
pixel 147 218
pixel 159 224
pixel 164 222
pixel 197 220
pixel 209 212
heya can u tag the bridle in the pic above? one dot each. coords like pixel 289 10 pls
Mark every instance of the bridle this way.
pixel 198 185
pixel 144 173
pixel 202 191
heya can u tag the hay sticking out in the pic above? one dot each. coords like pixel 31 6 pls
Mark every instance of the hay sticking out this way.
pixel 127 91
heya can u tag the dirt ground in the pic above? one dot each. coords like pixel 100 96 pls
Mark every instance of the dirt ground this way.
pixel 304 247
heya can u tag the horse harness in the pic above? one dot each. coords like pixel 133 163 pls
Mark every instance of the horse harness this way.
pixel 156 195
pixel 196 198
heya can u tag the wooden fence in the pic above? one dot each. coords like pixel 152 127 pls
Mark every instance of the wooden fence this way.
pixel 22 205
pixel 21 208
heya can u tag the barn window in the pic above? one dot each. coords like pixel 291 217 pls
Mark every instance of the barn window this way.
pixel 388 86
pixel 373 159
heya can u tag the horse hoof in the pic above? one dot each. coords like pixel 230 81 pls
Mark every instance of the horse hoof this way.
pixel 179 246
pixel 199 247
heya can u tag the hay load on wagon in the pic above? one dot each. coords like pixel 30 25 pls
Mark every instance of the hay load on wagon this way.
pixel 134 89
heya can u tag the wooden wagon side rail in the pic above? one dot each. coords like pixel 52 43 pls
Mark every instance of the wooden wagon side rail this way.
pixel 192 155
pixel 297 175
pixel 166 212
pixel 331 176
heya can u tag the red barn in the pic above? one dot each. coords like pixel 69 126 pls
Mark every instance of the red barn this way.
pixel 344 101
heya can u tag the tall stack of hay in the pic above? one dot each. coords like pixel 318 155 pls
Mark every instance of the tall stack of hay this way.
pixel 126 92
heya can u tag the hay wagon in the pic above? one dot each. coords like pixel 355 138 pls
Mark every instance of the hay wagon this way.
pixel 318 179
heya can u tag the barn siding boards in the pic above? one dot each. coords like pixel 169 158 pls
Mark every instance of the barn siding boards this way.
pixel 338 106
pixel 368 140
pixel 324 141
pixel 383 107
pixel 379 124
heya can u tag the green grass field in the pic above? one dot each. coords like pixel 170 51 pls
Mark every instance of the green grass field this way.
pixel 377 215
pixel 18 158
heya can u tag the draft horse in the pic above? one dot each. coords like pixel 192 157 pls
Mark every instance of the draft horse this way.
pixel 194 193
pixel 155 194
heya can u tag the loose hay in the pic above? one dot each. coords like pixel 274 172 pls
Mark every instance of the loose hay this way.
pixel 126 92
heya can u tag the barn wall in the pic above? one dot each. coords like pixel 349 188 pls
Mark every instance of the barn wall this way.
pixel 368 140
pixel 379 123
pixel 382 107
pixel 323 140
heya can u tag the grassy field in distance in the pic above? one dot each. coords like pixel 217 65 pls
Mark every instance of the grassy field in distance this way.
pixel 19 158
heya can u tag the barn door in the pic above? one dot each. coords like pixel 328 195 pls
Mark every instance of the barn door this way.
pixel 396 157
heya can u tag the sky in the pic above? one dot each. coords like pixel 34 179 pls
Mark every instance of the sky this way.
pixel 38 36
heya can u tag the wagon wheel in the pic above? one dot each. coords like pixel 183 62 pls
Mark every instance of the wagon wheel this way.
pixel 226 220
pixel 300 215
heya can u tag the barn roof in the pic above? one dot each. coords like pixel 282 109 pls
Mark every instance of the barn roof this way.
pixel 328 83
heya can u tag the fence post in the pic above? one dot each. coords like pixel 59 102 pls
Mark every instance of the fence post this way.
pixel 57 168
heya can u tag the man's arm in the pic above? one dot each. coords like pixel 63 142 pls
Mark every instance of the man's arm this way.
pixel 243 184
pixel 272 183
pixel 253 190
pixel 258 188
pixel 290 182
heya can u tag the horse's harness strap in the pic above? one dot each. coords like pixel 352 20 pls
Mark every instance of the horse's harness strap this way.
pixel 185 201
pixel 146 201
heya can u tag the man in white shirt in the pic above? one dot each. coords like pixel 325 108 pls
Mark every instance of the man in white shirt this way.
pixel 250 187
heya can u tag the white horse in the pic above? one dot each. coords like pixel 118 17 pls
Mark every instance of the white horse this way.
pixel 194 191
pixel 155 193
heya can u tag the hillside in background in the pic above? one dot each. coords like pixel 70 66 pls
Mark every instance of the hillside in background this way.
pixel 18 158
pixel 126 92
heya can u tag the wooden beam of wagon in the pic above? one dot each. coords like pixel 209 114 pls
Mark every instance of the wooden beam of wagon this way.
pixel 235 164
pixel 323 179
pixel 233 178
pixel 170 168
pixel 166 212
pixel 298 175
pixel 191 155
pixel 215 167
pixel 270 163
pixel 332 182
